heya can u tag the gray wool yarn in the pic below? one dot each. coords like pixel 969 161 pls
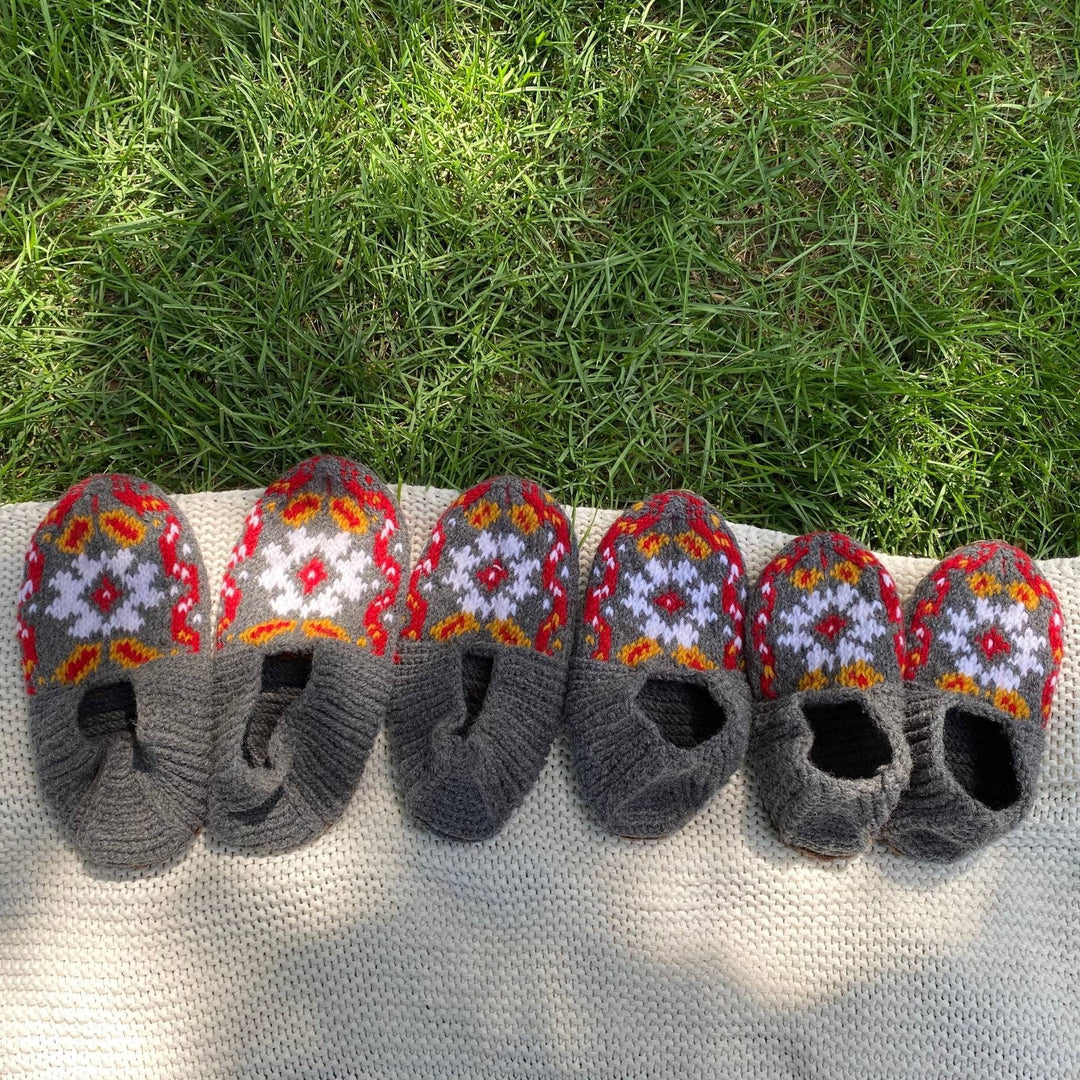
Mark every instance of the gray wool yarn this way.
pixel 483 659
pixel 112 623
pixel 827 746
pixel 985 646
pixel 303 655
pixel 658 709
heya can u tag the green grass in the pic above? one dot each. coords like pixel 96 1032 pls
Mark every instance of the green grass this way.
pixel 818 261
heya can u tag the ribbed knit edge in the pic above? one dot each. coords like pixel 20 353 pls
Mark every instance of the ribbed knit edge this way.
pixel 634 781
pixel 465 784
pixel 317 751
pixel 812 809
pixel 936 818
pixel 122 808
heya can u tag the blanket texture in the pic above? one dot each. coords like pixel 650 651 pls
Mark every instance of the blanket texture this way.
pixel 552 950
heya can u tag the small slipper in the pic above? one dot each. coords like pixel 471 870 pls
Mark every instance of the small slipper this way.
pixel 110 621
pixel 826 669
pixel 483 659
pixel 303 660
pixel 658 709
pixel 985 647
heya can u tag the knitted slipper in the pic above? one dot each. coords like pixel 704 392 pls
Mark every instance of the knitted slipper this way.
pixel 828 745
pixel 986 643
pixel 110 621
pixel 658 709
pixel 302 668
pixel 480 689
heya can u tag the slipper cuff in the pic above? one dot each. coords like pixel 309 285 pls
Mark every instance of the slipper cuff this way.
pixel 464 779
pixel 810 808
pixel 316 752
pixel 127 807
pixel 937 819
pixel 636 782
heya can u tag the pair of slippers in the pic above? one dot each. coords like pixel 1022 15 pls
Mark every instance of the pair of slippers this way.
pixel 927 734
pixel 147 722
pixel 494 657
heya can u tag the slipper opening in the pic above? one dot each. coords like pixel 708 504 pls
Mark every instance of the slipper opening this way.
pixel 848 743
pixel 284 676
pixel 684 713
pixel 110 714
pixel 475 679
pixel 978 754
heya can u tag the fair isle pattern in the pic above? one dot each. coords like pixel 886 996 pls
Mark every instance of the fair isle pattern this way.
pixel 668 582
pixel 827 614
pixel 498 563
pixel 118 556
pixel 322 565
pixel 986 623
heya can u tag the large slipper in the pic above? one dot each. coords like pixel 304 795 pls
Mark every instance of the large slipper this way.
pixel 303 660
pixel 111 622
pixel 827 746
pixel 658 709
pixel 482 677
pixel 985 647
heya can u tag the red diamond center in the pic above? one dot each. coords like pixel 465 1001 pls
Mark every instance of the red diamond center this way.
pixel 106 594
pixel 993 643
pixel 311 574
pixel 492 575
pixel 670 601
pixel 831 625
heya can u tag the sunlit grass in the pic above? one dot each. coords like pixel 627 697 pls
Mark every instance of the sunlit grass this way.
pixel 815 260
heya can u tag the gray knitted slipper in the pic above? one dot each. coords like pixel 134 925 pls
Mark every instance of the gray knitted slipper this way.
pixel 482 678
pixel 986 643
pixel 303 659
pixel 658 709
pixel 828 746
pixel 110 621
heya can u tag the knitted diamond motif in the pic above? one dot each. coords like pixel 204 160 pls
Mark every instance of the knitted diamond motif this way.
pixel 831 625
pixel 492 575
pixel 993 643
pixel 106 594
pixel 292 572
pixel 980 649
pixel 670 585
pixel 670 601
pixel 850 636
pixel 311 574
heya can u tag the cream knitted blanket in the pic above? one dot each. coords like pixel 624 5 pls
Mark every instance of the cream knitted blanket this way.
pixel 553 950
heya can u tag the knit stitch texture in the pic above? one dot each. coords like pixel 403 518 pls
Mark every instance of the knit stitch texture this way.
pixel 111 620
pixel 658 709
pixel 303 658
pixel 483 658
pixel 985 649
pixel 828 745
